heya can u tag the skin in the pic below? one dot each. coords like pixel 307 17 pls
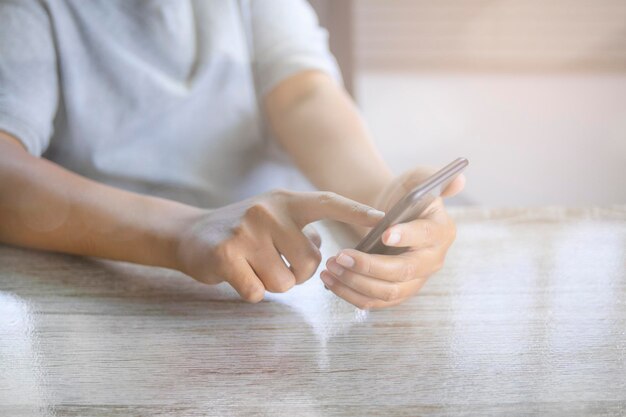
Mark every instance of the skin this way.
pixel 371 281
pixel 310 108
pixel 44 206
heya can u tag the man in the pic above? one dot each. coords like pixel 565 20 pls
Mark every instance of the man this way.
pixel 146 130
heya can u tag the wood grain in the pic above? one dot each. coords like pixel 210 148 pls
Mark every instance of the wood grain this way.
pixel 527 318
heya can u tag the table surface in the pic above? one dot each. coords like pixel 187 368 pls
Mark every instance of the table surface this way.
pixel 528 317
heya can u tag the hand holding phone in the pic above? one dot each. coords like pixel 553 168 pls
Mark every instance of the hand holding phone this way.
pixel 411 206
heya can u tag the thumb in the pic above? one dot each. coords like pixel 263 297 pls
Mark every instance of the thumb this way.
pixel 313 206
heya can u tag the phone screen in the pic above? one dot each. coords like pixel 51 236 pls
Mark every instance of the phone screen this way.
pixel 410 207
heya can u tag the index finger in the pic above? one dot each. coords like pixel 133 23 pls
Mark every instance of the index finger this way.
pixel 315 206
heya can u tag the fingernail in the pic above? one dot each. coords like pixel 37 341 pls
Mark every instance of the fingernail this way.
pixel 393 238
pixel 334 268
pixel 345 260
pixel 327 280
pixel 375 213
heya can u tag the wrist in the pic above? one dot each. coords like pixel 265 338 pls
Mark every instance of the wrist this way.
pixel 171 225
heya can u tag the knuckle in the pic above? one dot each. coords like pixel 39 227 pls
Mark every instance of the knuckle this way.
pixel 239 231
pixel 260 213
pixel 280 193
pixel 257 210
pixel 326 197
pixel 226 252
pixel 392 293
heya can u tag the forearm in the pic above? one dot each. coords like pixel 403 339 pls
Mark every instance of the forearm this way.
pixel 46 207
pixel 318 125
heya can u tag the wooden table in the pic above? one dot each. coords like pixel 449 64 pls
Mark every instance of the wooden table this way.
pixel 527 318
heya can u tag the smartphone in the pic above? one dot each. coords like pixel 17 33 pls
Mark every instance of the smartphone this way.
pixel 410 207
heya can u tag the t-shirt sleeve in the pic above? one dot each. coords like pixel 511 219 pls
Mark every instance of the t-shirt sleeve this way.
pixel 28 75
pixel 287 39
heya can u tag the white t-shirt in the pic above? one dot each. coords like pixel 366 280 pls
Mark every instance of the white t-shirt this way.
pixel 156 96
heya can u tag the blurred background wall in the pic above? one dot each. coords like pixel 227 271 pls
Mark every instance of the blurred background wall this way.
pixel 532 92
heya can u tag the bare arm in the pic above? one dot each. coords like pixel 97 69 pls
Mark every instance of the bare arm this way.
pixel 47 207
pixel 318 125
